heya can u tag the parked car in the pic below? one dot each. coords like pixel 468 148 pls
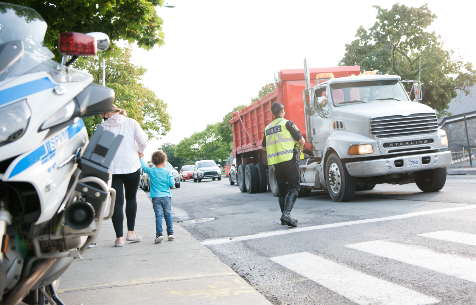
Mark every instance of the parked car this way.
pixel 206 169
pixel 186 172
pixel 174 173
pixel 145 180
pixel 233 174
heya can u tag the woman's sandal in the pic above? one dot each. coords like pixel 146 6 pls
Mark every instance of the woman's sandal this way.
pixel 135 238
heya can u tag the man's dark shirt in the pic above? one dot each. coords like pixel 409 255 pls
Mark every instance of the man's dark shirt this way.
pixel 292 128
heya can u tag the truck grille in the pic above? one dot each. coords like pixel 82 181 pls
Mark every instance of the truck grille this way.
pixel 399 125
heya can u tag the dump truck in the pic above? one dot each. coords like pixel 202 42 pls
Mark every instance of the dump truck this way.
pixel 360 130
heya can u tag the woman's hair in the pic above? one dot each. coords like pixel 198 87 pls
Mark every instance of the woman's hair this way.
pixel 158 157
pixel 115 109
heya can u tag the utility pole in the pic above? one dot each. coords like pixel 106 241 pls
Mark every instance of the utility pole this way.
pixel 467 139
pixel 104 72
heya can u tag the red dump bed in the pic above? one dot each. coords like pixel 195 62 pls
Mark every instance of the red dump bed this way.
pixel 250 122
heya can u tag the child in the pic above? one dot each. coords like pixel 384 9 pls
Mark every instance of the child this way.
pixel 161 180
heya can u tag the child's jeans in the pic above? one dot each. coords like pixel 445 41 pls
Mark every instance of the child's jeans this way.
pixel 162 208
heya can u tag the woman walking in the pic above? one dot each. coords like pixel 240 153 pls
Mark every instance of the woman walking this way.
pixel 125 170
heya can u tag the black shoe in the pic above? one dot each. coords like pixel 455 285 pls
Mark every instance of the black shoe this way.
pixel 158 238
pixel 289 203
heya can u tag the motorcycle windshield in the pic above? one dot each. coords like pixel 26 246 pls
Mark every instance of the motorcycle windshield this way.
pixel 25 24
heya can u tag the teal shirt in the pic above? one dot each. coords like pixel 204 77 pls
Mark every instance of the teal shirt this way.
pixel 161 180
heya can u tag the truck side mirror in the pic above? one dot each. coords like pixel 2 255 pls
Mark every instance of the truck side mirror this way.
pixel 417 91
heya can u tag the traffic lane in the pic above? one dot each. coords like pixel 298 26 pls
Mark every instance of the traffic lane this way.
pixel 237 213
pixel 251 258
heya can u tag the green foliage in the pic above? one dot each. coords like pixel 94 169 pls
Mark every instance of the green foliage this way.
pixel 213 143
pixel 394 44
pixel 204 145
pixel 268 88
pixel 130 20
pixel 169 150
pixel 139 102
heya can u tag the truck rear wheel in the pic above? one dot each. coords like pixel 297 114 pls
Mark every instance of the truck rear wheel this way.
pixel 340 185
pixel 431 180
pixel 273 184
pixel 251 178
pixel 241 177
pixel 262 178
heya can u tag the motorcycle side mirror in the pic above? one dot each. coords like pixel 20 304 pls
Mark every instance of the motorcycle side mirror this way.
pixel 102 40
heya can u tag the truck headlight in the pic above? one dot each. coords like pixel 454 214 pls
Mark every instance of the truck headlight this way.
pixel 14 120
pixel 361 149
pixel 444 141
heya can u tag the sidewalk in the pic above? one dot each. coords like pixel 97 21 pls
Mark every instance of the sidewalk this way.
pixel 182 271
pixel 462 168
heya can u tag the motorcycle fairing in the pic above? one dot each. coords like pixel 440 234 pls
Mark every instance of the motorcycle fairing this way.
pixel 20 91
pixel 39 166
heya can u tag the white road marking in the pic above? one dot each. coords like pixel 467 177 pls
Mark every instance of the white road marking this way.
pixel 460 267
pixel 456 237
pixel 332 225
pixel 354 285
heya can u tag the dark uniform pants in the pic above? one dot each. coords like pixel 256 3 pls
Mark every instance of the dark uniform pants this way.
pixel 287 176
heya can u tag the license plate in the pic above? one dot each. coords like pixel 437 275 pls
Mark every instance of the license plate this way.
pixel 413 162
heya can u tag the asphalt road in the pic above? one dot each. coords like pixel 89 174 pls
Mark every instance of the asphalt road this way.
pixel 391 245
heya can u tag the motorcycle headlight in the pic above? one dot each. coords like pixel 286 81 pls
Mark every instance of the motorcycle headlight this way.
pixel 60 116
pixel 14 120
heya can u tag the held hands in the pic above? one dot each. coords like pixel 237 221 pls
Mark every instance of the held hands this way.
pixel 141 155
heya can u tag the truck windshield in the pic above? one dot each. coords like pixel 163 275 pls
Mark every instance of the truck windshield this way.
pixel 367 91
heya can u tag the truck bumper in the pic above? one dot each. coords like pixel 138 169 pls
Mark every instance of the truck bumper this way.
pixel 399 165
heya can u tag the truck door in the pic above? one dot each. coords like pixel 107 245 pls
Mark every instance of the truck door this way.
pixel 320 121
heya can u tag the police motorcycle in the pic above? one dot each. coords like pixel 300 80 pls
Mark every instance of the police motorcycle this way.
pixel 54 183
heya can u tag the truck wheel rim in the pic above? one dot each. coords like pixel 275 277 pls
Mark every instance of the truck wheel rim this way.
pixel 335 181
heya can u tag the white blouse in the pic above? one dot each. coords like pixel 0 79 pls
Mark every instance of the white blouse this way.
pixel 126 160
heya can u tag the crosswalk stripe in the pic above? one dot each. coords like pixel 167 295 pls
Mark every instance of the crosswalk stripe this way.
pixel 211 242
pixel 459 267
pixel 456 237
pixel 354 285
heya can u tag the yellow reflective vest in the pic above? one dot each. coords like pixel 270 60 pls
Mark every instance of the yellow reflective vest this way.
pixel 279 142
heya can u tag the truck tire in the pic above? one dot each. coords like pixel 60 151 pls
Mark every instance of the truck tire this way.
pixel 340 185
pixel 431 180
pixel 262 178
pixel 304 191
pixel 177 185
pixel 251 178
pixel 241 177
pixel 273 184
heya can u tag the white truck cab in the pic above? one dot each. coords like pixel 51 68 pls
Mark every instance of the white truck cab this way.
pixel 365 130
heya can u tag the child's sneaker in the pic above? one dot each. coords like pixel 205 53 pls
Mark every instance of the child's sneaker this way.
pixel 159 238
pixel 170 236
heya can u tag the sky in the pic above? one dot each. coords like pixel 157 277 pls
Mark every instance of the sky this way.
pixel 219 53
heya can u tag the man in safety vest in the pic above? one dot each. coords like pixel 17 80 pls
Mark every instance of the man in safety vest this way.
pixel 279 142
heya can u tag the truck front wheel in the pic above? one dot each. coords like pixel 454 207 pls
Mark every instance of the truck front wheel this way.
pixel 431 180
pixel 340 185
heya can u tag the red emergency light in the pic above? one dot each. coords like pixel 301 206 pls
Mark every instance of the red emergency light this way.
pixel 77 44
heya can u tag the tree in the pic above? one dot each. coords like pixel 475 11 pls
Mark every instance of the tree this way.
pixel 268 88
pixel 169 150
pixel 140 102
pixel 130 20
pixel 395 44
